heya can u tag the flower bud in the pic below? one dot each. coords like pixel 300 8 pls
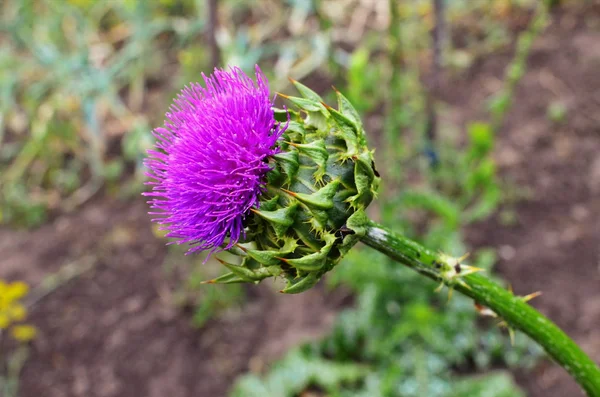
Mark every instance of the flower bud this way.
pixel 312 209
pixel 284 189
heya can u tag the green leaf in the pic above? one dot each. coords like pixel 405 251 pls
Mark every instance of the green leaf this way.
pixel 498 384
pixel 434 202
pixel 281 219
pixel 321 199
pixel 297 372
pixel 306 92
pixel 302 284
pixel 481 138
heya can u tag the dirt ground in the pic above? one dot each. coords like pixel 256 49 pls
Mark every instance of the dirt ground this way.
pixel 112 331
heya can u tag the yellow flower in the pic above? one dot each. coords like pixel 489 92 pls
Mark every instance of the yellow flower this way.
pixel 11 292
pixel 11 310
pixel 16 290
pixel 23 333
pixel 4 320
pixel 3 296
pixel 17 312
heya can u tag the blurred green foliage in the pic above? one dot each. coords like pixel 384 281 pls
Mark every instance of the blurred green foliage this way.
pixel 10 370
pixel 557 112
pixel 74 79
pixel 501 102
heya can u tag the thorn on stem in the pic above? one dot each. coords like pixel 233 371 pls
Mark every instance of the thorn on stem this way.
pixel 288 192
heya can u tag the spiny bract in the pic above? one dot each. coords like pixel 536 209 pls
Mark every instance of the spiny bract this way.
pixel 312 210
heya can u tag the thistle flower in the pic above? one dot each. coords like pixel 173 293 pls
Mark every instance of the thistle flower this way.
pixel 222 173
pixel 210 164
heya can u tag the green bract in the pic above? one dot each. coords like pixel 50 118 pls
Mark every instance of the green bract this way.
pixel 312 211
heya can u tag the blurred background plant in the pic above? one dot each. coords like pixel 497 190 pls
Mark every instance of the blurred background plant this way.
pixel 78 84
pixel 13 352
pixel 402 338
pixel 82 86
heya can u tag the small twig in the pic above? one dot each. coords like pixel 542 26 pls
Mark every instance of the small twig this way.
pixel 438 36
pixel 215 53
pixel 83 194
pixel 65 274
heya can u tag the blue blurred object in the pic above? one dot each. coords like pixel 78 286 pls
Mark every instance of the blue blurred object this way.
pixel 432 155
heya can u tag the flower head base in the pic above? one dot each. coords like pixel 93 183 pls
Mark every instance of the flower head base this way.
pixel 211 162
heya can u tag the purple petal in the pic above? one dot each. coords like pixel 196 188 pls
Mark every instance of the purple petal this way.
pixel 208 168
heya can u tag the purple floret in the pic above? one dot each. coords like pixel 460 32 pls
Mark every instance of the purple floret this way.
pixel 210 164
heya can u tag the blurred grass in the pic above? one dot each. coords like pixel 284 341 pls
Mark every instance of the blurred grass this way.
pixel 82 82
pixel 74 79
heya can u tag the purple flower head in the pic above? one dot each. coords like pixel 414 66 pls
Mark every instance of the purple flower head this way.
pixel 210 166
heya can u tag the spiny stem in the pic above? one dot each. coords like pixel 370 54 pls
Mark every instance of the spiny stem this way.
pixel 513 309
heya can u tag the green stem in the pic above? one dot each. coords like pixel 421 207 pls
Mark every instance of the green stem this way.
pixel 513 309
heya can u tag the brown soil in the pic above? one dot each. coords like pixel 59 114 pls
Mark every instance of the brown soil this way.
pixel 112 330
